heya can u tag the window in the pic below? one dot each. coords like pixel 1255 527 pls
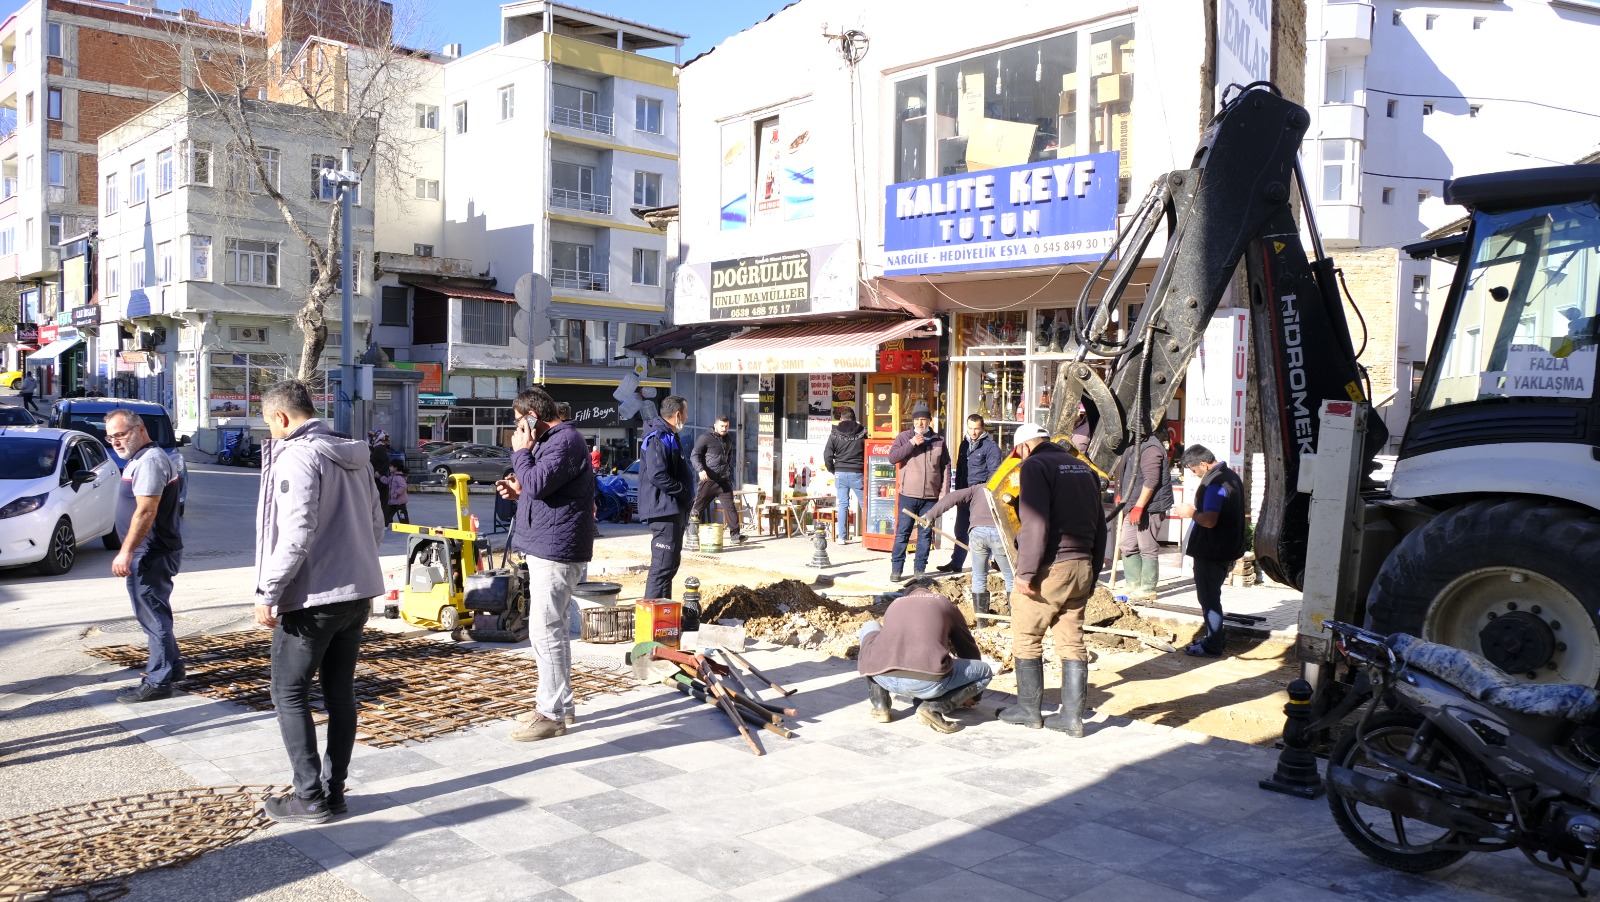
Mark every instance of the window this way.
pixel 52 109
pixel 245 174
pixel 27 234
pixel 647 189
pixel 196 163
pixel 485 322
pixel 29 167
pixel 8 241
pixel 1336 165
pixel 427 116
pixel 646 267
pixel 28 111
pixel 1394 18
pixel 54 164
pixel 1333 90
pixel 163 170
pixel 460 110
pixel 1423 196
pixel 427 189
pixel 1388 195
pixel 111 192
pixel 53 38
pixel 572 186
pixel 323 188
pixel 1427 108
pixel 1392 108
pixel 508 102
pixel 422 250
pixel 113 273
pixel 1419 284
pixel 578 108
pixel 252 262
pixel 137 192
pixel 1477 23
pixel 1473 109
pixel 137 271
pixel 647 115
pixel 396 304
pixel 166 264
pixel 572 266
pixel 1427 22
pixel 198 257
pixel 56 224
pixel 579 341
pixel 313 271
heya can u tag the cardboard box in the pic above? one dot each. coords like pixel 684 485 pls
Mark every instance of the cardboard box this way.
pixel 1110 89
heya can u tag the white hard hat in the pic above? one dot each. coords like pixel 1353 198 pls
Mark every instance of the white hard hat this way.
pixel 1028 432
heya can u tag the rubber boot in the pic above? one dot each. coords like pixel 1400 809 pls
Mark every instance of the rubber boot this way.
pixel 1132 574
pixel 1030 692
pixel 934 711
pixel 1074 681
pixel 1152 577
pixel 882 712
pixel 1142 581
pixel 980 604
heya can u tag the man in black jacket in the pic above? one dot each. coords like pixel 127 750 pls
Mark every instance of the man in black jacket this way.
pixel 1216 540
pixel 666 486
pixel 1059 550
pixel 845 457
pixel 976 461
pixel 712 461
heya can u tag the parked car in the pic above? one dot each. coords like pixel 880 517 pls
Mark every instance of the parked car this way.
pixel 16 416
pixel 58 490
pixel 482 463
pixel 632 476
pixel 11 379
pixel 89 415
pixel 432 449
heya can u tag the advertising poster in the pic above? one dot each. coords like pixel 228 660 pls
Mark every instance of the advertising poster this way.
pixel 819 420
pixel 1059 211
pixel 769 162
pixel 844 393
pixel 188 402
pixel 798 164
pixel 735 177
pixel 1214 400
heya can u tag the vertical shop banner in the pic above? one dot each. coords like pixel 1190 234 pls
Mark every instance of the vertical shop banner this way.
pixel 1216 385
pixel 819 415
pixel 844 394
pixel 1057 211
pixel 798 163
pixel 1244 44
pixel 767 427
pixel 735 199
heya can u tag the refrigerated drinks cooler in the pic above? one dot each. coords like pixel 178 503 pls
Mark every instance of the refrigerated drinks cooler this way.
pixel 882 497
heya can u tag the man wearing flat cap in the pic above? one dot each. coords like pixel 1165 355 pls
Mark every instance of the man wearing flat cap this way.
pixel 924 464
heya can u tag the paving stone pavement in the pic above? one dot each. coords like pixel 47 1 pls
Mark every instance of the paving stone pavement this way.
pixel 653 794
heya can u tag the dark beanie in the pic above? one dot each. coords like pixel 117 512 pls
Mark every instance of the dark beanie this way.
pixel 920 409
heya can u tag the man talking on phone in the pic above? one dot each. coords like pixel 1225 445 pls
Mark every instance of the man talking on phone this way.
pixel 554 534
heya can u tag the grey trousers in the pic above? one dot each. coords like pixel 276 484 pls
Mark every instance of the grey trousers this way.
pixel 550 586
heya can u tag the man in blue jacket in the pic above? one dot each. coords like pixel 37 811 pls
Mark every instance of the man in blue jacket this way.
pixel 976 461
pixel 666 489
pixel 554 532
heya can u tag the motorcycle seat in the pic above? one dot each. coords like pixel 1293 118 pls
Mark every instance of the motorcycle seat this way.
pixel 1489 684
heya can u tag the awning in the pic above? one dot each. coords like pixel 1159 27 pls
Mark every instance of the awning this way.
pixel 54 349
pixel 436 399
pixel 684 338
pixel 460 291
pixel 844 347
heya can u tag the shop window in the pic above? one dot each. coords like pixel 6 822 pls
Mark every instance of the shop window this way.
pixel 238 381
pixel 991 334
pixel 911 129
pixel 999 390
pixel 1052 331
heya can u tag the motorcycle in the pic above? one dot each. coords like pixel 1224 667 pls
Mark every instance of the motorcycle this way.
pixel 1453 756
pixel 239 449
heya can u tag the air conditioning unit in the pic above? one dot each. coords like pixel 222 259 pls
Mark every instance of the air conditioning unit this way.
pixel 249 333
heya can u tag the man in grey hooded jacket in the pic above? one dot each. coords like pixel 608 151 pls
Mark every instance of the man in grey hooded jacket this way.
pixel 319 524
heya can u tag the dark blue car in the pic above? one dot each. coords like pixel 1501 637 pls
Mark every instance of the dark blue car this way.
pixel 89 415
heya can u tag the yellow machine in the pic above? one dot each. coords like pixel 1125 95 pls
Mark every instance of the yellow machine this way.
pixel 1004 492
pixel 438 561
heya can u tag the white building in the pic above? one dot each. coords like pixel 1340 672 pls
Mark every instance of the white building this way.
pixel 197 261
pixel 552 137
pixel 1413 94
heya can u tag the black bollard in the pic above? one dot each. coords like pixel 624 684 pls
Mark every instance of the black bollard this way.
pixel 1297 767
pixel 819 541
pixel 691 605
pixel 691 535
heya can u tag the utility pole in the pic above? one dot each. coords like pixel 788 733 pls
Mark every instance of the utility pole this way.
pixel 348 181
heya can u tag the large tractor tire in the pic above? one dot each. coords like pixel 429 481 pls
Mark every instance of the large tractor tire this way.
pixel 1511 580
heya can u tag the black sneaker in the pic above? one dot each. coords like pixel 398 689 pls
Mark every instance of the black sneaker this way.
pixel 144 692
pixel 896 578
pixel 336 803
pixel 951 567
pixel 289 808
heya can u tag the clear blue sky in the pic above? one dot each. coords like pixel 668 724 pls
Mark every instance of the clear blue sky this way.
pixel 475 24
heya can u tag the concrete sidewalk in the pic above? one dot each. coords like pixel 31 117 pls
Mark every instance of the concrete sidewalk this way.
pixel 652 794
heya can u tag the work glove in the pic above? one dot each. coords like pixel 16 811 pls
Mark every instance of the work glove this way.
pixel 1136 516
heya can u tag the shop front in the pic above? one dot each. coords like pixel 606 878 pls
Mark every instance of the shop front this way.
pixel 597 414
pixel 63 358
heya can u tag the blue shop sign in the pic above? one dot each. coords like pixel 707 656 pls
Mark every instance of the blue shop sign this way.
pixel 1052 211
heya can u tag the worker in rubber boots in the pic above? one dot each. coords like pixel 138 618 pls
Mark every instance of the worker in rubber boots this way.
pixel 922 650
pixel 1147 488
pixel 1059 551
pixel 1216 541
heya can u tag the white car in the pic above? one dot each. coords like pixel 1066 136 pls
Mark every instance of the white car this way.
pixel 58 490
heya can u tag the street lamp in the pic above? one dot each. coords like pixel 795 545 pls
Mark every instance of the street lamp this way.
pixel 347 180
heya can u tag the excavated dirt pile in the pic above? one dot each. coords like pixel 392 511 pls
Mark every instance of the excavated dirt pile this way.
pixel 789 613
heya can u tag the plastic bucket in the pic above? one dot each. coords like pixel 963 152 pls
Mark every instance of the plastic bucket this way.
pixel 711 537
pixel 594 595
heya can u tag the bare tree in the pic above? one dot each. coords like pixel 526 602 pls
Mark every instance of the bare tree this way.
pixel 340 63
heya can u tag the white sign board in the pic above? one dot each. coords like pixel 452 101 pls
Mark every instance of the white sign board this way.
pixel 1244 43
pixel 1214 398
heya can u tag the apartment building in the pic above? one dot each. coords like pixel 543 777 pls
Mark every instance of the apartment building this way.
pixel 1411 95
pixel 72 69
pixel 553 137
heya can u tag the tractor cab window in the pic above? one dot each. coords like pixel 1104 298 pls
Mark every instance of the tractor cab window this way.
pixel 1524 325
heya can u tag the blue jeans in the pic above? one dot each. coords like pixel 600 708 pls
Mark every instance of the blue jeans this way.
pixel 324 642
pixel 845 485
pixel 962 672
pixel 985 542
pixel 902 534
pixel 150 590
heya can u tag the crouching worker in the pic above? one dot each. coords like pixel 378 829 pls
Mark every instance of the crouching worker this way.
pixel 922 650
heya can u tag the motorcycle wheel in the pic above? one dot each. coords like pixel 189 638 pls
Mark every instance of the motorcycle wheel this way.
pixel 1402 843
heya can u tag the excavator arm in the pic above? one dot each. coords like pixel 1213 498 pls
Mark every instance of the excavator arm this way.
pixel 1232 205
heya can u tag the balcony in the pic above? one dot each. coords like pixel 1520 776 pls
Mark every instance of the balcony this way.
pixel 578 119
pixel 580 280
pixel 1342 120
pixel 1347 29
pixel 1340 224
pixel 577 200
pixel 412 264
